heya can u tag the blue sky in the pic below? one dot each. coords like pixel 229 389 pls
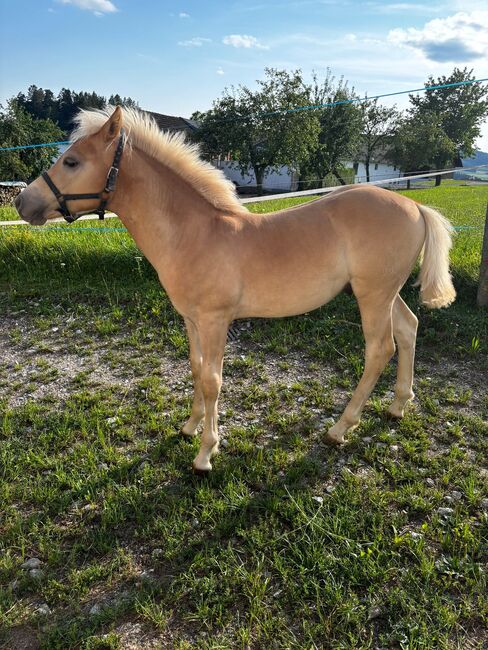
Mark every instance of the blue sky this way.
pixel 176 56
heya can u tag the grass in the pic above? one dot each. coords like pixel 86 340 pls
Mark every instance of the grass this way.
pixel 288 544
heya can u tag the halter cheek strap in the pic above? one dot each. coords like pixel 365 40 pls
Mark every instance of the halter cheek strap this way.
pixel 110 184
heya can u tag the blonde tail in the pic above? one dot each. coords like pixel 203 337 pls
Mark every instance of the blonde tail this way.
pixel 436 288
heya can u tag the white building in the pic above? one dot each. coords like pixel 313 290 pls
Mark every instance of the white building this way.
pixel 284 179
pixel 277 179
pixel 377 171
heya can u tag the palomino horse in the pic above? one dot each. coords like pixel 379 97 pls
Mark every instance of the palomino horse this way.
pixel 218 262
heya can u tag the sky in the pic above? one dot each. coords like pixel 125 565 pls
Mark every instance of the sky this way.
pixel 177 56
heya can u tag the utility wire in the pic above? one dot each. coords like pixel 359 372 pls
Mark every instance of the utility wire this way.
pixel 284 111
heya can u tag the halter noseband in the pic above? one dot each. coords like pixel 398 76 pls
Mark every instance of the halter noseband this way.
pixel 110 184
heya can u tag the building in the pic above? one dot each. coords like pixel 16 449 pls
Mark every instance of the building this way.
pixel 283 179
pixel 172 123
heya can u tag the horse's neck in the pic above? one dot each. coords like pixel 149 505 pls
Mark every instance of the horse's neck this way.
pixel 161 211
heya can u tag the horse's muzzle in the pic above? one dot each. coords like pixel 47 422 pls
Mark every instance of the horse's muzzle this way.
pixel 29 210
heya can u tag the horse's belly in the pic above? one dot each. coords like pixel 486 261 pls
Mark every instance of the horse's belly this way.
pixel 297 296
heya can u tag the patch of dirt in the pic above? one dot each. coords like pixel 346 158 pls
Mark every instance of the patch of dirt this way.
pixel 20 638
pixel 135 636
pixel 36 364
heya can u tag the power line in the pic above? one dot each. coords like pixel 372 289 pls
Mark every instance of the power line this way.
pixel 369 99
pixel 34 146
pixel 284 111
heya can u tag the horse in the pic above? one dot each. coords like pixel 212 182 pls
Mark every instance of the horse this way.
pixel 218 262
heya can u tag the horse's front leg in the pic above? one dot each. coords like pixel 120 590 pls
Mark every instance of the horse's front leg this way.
pixel 198 406
pixel 212 334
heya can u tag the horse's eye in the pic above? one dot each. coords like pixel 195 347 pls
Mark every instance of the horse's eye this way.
pixel 70 162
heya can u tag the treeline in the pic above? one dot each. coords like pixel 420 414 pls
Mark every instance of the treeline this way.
pixel 267 127
pixel 61 108
pixel 41 116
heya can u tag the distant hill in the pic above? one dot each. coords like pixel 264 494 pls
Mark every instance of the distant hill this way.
pixel 480 158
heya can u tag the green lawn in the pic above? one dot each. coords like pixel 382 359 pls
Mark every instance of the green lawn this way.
pixel 289 543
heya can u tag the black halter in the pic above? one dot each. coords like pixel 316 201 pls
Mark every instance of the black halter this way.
pixel 110 184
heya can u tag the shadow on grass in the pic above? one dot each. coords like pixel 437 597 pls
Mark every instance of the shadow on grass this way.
pixel 258 525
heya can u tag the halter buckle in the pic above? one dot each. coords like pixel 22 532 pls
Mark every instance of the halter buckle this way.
pixel 113 172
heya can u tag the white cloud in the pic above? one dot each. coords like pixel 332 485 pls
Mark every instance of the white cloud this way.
pixel 243 40
pixel 183 14
pixel 99 7
pixel 459 38
pixel 220 71
pixel 198 41
pixel 404 7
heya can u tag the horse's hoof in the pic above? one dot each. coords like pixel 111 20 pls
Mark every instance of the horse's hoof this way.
pixel 394 415
pixel 397 408
pixel 332 441
pixel 188 434
pixel 201 471
pixel 201 463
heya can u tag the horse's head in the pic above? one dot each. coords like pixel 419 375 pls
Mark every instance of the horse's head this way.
pixel 83 169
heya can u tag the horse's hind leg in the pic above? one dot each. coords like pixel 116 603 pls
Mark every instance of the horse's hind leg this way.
pixel 376 317
pixel 405 333
pixel 198 406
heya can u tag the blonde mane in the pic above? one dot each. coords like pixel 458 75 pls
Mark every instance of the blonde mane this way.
pixel 171 149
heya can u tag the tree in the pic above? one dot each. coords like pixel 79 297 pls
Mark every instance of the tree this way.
pixel 18 127
pixel 379 124
pixel 340 129
pixel 253 127
pixel 460 110
pixel 39 103
pixel 66 109
pixel 421 143
pixel 117 100
pixel 42 104
pixel 71 102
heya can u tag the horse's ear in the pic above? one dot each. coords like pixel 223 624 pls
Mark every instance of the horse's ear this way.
pixel 111 129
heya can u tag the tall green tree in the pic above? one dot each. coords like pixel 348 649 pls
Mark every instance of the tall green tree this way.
pixel 340 128
pixel 421 144
pixel 460 110
pixel 253 127
pixel 18 127
pixel 117 100
pixel 40 103
pixel 67 109
pixel 43 104
pixel 379 125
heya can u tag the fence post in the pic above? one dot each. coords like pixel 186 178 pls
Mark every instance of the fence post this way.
pixel 483 285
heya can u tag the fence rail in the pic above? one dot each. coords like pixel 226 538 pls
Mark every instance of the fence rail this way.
pixel 270 197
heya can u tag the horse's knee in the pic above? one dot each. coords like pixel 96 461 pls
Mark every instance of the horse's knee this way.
pixel 210 382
